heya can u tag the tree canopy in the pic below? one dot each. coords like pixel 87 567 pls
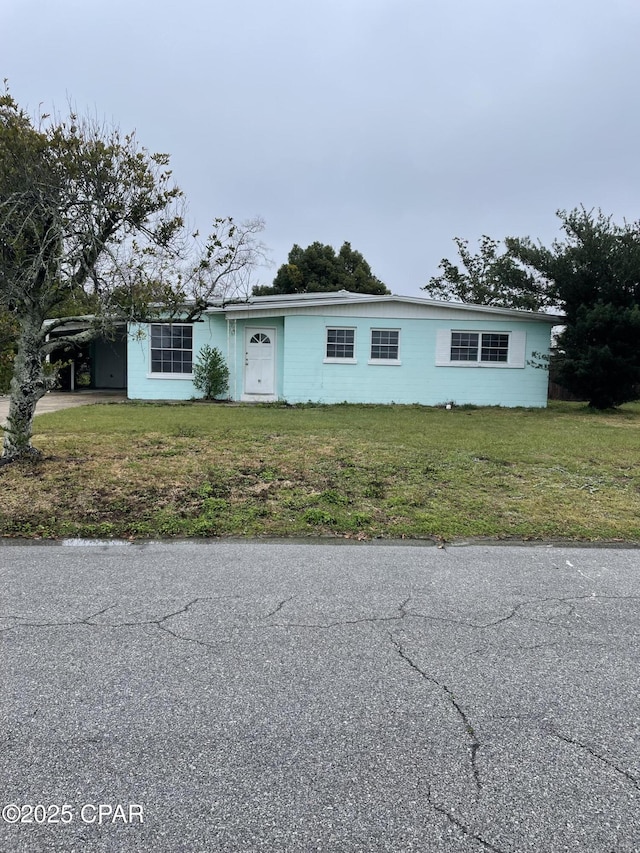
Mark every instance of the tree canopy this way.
pixel 593 274
pixel 92 223
pixel 320 268
pixel 489 277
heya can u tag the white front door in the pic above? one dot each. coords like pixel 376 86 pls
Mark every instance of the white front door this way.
pixel 259 362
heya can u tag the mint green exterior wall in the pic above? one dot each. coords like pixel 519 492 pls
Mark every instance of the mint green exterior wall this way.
pixel 214 331
pixel 302 374
pixel 211 331
pixel 416 379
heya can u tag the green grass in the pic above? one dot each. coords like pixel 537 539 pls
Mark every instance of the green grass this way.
pixel 142 470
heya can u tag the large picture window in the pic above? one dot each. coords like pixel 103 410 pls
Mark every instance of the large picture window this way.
pixel 385 344
pixel 341 344
pixel 171 348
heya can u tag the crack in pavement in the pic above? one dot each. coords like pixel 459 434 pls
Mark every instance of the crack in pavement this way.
pixel 163 624
pixel 474 743
pixel 402 614
pixel 279 606
pixel 85 621
pixel 413 614
pixel 159 623
pixel 569 601
pixel 466 830
pixel 573 742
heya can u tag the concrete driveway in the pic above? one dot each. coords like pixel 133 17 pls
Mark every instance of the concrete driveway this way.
pixel 56 400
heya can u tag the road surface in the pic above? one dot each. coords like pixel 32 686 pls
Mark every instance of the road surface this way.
pixel 319 697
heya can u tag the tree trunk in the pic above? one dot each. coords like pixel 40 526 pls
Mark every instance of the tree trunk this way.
pixel 29 383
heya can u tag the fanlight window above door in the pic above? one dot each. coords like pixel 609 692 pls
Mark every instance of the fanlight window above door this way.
pixel 260 338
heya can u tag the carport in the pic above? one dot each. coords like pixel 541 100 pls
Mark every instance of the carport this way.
pixel 97 365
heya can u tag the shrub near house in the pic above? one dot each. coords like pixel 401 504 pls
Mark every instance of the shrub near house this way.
pixel 210 373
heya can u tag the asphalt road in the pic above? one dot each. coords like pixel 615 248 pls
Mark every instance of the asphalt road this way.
pixel 307 697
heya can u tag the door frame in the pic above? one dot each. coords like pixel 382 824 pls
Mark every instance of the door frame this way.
pixel 270 396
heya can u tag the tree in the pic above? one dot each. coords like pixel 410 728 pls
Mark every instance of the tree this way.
pixel 319 268
pixel 90 219
pixel 594 276
pixel 488 278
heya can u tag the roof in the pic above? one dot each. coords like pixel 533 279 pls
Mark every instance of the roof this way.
pixel 282 302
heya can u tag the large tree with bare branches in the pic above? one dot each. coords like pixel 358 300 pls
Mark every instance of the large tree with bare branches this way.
pixel 91 223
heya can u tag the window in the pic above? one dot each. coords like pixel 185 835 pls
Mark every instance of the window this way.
pixel 492 346
pixel 385 344
pixel 464 346
pixel 341 344
pixel 171 348
pixel 481 349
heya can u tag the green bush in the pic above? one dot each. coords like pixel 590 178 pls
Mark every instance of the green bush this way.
pixel 210 373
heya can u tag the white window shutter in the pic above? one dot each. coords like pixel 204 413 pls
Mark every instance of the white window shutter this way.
pixel 443 347
pixel 517 348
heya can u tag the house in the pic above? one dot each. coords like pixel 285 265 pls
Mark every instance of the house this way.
pixel 346 347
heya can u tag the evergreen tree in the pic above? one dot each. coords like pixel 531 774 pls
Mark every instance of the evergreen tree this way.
pixel 319 269
pixel 593 275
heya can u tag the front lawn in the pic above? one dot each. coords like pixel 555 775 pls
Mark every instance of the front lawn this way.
pixel 151 470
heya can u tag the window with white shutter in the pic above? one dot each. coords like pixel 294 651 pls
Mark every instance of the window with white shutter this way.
pixel 458 348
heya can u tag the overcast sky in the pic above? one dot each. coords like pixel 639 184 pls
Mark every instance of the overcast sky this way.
pixel 393 124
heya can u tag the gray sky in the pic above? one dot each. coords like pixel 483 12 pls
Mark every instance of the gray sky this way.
pixel 393 124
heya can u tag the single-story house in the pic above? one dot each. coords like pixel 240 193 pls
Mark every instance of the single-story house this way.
pixel 347 347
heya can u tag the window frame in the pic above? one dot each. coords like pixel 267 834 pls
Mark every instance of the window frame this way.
pixel 335 359
pixel 464 346
pixel 479 347
pixel 169 374
pixel 516 348
pixel 392 361
pixel 496 348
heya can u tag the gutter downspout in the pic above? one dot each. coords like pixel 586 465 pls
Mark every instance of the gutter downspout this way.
pixel 232 362
pixel 235 361
pixel 229 346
